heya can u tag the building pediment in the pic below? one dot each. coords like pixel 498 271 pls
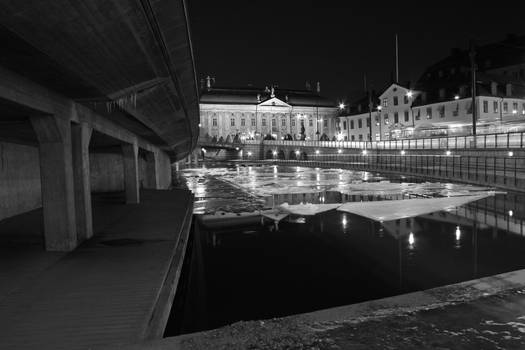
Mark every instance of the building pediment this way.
pixel 274 102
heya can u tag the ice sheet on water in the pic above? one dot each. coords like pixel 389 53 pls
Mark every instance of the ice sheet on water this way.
pixel 308 208
pixel 399 209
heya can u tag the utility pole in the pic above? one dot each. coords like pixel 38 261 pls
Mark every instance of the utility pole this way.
pixel 472 55
pixel 397 62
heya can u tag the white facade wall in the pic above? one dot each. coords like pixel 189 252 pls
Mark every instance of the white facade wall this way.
pixel 262 120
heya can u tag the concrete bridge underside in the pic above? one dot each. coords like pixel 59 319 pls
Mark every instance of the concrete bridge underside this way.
pixel 94 97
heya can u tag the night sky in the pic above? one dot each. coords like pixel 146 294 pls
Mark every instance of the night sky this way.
pixel 288 42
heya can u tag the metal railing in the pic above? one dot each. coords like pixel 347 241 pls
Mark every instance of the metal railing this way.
pixel 507 172
pixel 489 141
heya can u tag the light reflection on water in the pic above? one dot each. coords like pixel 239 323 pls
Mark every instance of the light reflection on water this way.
pixel 258 271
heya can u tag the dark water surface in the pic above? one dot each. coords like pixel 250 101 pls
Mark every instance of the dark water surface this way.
pixel 256 270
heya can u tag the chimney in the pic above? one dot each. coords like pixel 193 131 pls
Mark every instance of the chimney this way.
pixel 318 87
pixel 493 88
pixel 508 89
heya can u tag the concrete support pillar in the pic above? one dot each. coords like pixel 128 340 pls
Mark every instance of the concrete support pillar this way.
pixel 80 136
pixel 131 172
pixel 152 170
pixel 56 172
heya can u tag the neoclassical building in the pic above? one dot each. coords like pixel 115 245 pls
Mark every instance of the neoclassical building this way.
pixel 254 113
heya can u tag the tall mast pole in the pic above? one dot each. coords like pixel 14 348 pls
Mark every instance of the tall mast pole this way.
pixel 472 55
pixel 397 61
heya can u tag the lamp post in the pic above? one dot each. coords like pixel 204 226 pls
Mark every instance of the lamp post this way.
pixel 472 55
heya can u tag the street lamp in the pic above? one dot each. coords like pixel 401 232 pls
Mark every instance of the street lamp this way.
pixel 410 94
pixel 341 106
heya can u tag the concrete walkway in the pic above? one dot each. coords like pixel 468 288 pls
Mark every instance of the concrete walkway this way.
pixel 487 313
pixel 115 288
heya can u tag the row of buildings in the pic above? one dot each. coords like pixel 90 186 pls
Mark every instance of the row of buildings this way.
pixel 439 104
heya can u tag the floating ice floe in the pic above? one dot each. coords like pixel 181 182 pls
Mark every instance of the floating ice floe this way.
pixel 399 209
pixel 308 208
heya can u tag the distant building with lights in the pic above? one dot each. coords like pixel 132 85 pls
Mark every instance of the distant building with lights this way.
pixel 265 113
pixel 440 103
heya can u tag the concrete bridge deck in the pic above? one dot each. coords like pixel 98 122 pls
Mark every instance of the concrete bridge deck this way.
pixel 115 288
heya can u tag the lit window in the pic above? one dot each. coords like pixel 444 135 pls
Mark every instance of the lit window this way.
pixel 495 106
pixel 429 113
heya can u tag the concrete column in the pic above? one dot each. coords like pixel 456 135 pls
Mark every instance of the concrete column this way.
pixel 131 172
pixel 56 172
pixel 152 170
pixel 80 136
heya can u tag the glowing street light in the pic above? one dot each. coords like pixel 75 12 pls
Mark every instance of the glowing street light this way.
pixel 379 108
pixel 274 153
pixel 410 94
pixel 411 239
pixel 511 213
pixel 316 151
pixel 458 233
pixel 448 153
pixel 200 125
pixel 403 152
pixel 236 148
pixel 249 154
pixel 203 150
pixel 341 106
pixel 511 153
pixel 364 152
pixel 339 151
pixel 456 97
pixel 297 152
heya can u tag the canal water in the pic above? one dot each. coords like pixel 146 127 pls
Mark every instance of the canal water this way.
pixel 255 268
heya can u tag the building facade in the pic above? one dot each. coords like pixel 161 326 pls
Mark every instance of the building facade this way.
pixel 269 113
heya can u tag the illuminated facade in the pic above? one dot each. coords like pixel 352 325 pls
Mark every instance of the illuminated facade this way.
pixel 251 113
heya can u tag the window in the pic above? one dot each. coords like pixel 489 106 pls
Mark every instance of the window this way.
pixel 386 119
pixel 325 123
pixel 359 123
pixel 293 122
pixel 232 121
pixel 353 138
pixel 405 99
pixel 418 115
pixel 283 122
pixel 263 123
pixel 344 125
pixel 273 122
pixel 346 138
pixel 515 107
pixel 310 122
pixel 485 106
pixel 396 101
pixel 385 102
pixel 367 122
pixel 407 116
pixel 441 111
pixel 396 117
pixel 523 109
pixel 351 124
pixel 505 107
pixel 495 106
pixel 243 122
pixel 429 113
pixel 455 112
pixel 214 122
pixel 360 137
